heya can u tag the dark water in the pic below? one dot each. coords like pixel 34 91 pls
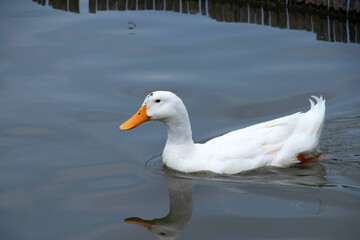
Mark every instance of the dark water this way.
pixel 67 81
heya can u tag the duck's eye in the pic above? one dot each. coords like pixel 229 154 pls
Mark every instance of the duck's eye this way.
pixel 157 100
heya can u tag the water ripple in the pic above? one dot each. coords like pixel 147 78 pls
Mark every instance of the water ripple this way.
pixel 298 175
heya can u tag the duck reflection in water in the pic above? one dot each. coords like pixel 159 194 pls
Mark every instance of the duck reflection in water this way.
pixel 180 192
pixel 170 226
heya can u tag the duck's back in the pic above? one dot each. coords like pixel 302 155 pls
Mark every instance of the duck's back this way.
pixel 277 142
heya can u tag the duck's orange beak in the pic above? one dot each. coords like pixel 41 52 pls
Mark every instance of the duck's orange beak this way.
pixel 138 221
pixel 135 120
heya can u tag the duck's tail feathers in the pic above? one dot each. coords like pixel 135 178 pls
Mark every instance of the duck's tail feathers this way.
pixel 320 101
pixel 316 115
pixel 305 139
pixel 311 125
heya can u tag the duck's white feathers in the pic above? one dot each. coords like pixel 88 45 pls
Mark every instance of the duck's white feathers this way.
pixel 277 143
pixel 273 143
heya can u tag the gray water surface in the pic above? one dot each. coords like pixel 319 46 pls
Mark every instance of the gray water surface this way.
pixel 67 81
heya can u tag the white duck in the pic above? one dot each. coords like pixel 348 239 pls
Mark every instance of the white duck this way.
pixel 281 142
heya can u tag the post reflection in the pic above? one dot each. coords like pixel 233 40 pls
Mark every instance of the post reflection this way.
pixel 65 5
pixel 333 21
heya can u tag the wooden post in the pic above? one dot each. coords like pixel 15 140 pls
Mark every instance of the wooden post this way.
pixel 236 10
pixel 324 28
pixel 266 14
pixel 344 31
pixel 343 6
pixel 244 13
pixel 258 15
pixel 314 23
pixel 92 6
pixel 131 5
pixel 194 6
pixel 319 30
pixel 149 4
pixel 292 19
pixel 336 5
pixel 74 6
pixel 159 4
pixel 325 4
pixel 274 18
pixel 112 5
pixel 317 27
pixel 176 6
pixel 141 5
pixel 203 7
pixel 211 9
pixel 228 13
pixel 252 12
pixel 283 18
pixel 121 6
pixel 169 5
pixel 318 3
pixel 184 5
pixel 300 20
pixel 308 26
pixel 352 7
pixel 331 26
pixel 219 12
pixel 337 30
pixel 60 4
pixel 101 5
pixel 352 32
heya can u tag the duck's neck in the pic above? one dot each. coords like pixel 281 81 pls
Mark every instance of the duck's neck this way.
pixel 179 145
pixel 179 131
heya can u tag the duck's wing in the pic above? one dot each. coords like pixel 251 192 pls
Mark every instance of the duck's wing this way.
pixel 270 132
pixel 252 147
pixel 277 142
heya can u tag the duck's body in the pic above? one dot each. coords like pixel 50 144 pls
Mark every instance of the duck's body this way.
pixel 278 142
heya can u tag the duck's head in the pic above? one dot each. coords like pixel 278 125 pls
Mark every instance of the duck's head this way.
pixel 160 106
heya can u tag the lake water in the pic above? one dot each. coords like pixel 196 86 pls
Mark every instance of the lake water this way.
pixel 68 80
